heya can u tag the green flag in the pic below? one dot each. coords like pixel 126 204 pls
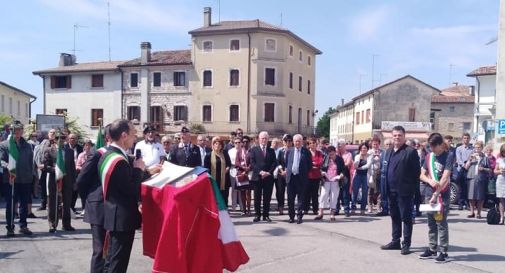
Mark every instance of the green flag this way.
pixel 13 154
pixel 99 139
pixel 60 164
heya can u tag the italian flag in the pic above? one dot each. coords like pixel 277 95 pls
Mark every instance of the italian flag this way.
pixel 60 164
pixel 13 156
pixel 232 251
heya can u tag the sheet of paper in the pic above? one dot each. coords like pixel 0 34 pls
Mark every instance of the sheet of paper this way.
pixel 169 174
pixel 430 208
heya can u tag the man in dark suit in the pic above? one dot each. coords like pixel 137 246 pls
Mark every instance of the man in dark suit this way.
pixel 90 188
pixel 185 153
pixel 263 164
pixel 67 191
pixel 204 150
pixel 402 171
pixel 299 163
pixel 121 179
pixel 75 148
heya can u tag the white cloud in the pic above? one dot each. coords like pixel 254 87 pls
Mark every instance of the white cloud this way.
pixel 368 24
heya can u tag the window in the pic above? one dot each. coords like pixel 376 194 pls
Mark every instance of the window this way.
pixel 308 117
pixel 207 113
pixel 207 46
pixel 291 50
pixel 300 56
pixel 300 83
pixel 60 111
pixel 452 109
pixel 466 126
pixel 412 114
pixel 156 115
pixel 357 118
pixel 234 45
pixel 134 79
pixel 234 113
pixel 290 114
pixel 10 106
pixel 157 79
pixel 309 61
pixel 432 120
pixel 96 117
pixel 308 87
pixel 27 110
pixel 207 78
pixel 367 115
pixel 19 108
pixel 61 82
pixel 179 78
pixel 269 76
pixel 97 80
pixel 133 112
pixel 234 77
pixel 450 126
pixel 3 103
pixel 291 80
pixel 180 112
pixel 269 112
pixel 270 45
pixel 362 117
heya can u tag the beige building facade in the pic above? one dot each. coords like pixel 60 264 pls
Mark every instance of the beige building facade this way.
pixel 15 102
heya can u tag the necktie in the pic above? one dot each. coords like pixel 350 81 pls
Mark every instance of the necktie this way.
pixel 186 150
pixel 296 162
pixel 264 150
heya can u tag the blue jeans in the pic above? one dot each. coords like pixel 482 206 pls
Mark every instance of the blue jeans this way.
pixel 360 181
pixel 384 195
pixel 344 196
pixel 22 194
pixel 401 212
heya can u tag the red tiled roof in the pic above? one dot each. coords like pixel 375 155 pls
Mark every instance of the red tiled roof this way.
pixel 482 71
pixel 169 57
pixel 82 67
pixel 453 99
pixel 456 90
pixel 224 27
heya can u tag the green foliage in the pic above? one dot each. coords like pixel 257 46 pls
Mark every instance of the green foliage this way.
pixel 5 119
pixel 71 124
pixel 323 124
pixel 197 128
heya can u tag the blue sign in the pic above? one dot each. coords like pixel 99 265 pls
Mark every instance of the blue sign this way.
pixel 501 126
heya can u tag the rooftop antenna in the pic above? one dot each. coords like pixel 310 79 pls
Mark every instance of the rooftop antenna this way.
pixel 492 40
pixel 360 78
pixel 219 10
pixel 108 27
pixel 451 67
pixel 76 27
pixel 373 67
pixel 281 18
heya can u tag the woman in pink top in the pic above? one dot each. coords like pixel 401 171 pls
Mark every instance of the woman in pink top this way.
pixel 81 158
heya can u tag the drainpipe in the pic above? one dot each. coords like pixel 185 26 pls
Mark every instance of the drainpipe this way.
pixel 477 99
pixel 249 85
pixel 122 91
pixel 30 108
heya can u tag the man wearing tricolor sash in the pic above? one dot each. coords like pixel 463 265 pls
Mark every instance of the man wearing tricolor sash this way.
pixel 436 171
pixel 121 178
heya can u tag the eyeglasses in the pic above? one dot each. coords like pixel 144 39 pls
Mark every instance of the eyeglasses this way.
pixel 166 142
pixel 237 142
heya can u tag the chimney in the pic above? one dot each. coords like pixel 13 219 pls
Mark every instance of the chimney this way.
pixel 145 52
pixel 342 102
pixel 207 17
pixel 67 59
pixel 455 83
pixel 471 90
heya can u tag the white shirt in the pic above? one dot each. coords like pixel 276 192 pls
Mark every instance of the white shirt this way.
pixel 296 161
pixel 151 152
pixel 233 155
pixel 202 154
pixel 121 149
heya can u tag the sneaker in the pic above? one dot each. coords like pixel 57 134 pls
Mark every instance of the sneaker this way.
pixel 441 257
pixel 405 250
pixel 10 232
pixel 392 246
pixel 428 254
pixel 25 231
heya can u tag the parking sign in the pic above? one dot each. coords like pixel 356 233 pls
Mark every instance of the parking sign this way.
pixel 501 126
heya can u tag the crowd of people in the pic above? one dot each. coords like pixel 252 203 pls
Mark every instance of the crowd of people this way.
pixel 392 178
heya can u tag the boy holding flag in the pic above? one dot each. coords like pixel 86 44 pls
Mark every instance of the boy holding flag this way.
pixel 436 171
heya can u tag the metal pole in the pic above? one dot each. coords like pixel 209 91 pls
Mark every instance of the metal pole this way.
pixel 12 205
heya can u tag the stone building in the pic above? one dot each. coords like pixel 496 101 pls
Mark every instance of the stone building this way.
pixel 15 102
pixel 452 111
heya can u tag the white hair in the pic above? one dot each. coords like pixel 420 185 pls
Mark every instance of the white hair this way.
pixel 265 133
pixel 297 136
pixel 341 141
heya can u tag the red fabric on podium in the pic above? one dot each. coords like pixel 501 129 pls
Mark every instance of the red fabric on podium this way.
pixel 180 227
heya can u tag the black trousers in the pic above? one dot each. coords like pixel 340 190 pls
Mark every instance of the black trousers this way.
pixel 43 189
pixel 312 196
pixel 66 199
pixel 120 247
pixel 263 190
pixel 98 238
pixel 280 191
pixel 297 188
pixel 400 208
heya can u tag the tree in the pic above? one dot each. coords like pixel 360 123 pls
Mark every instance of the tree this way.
pixel 323 124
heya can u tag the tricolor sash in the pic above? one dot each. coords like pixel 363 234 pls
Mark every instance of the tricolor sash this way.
pixel 434 175
pixel 107 167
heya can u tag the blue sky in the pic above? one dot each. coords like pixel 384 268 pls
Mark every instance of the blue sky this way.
pixel 422 38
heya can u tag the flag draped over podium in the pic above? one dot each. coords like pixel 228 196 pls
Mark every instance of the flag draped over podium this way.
pixel 188 230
